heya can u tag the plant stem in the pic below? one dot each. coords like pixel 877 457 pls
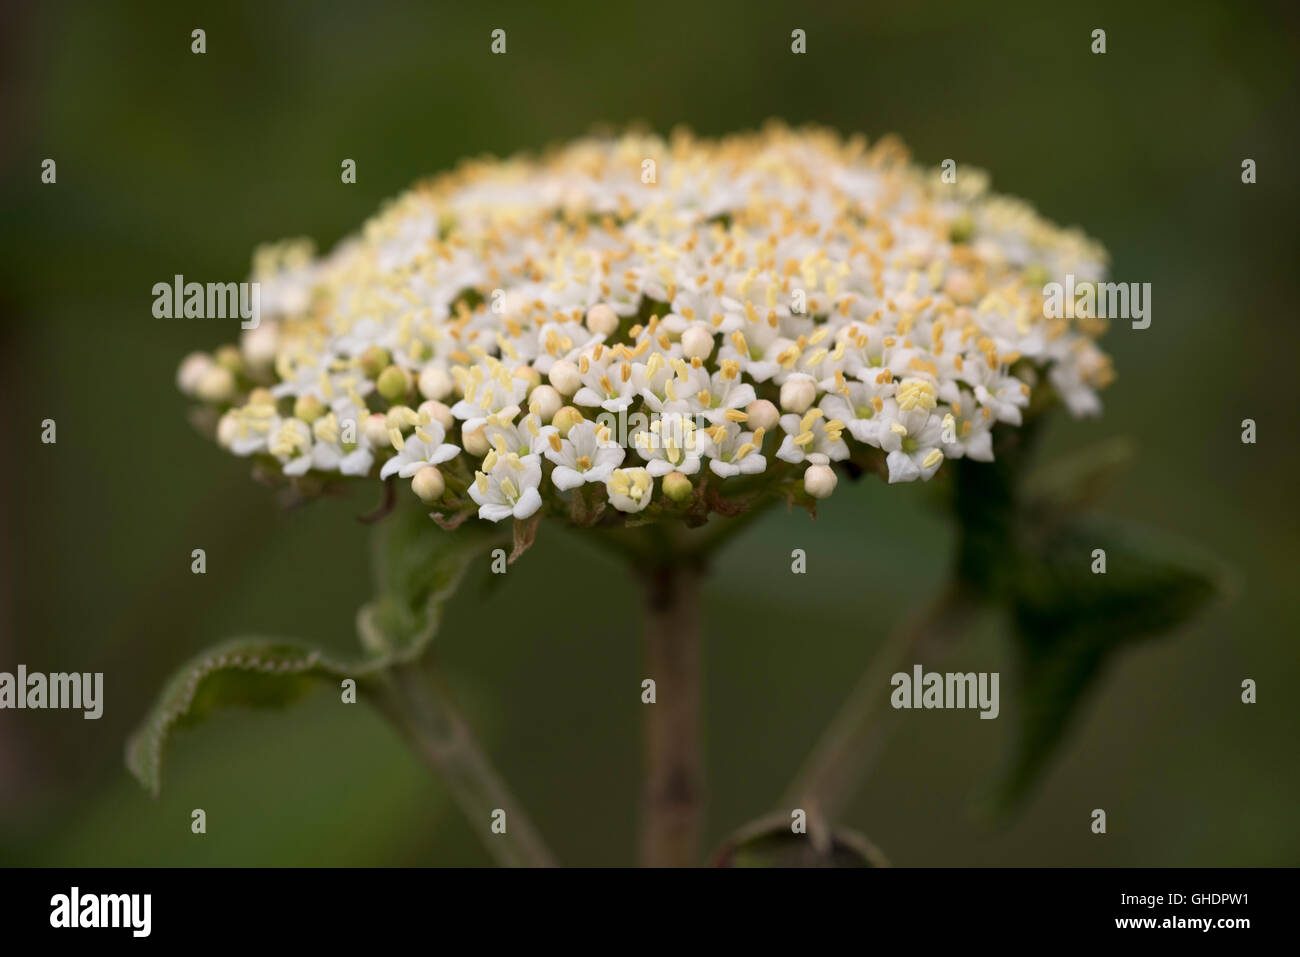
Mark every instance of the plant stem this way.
pixel 843 756
pixel 443 739
pixel 673 788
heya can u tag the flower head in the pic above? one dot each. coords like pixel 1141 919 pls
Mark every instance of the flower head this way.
pixel 878 316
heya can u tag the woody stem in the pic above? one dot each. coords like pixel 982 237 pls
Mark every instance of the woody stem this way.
pixel 673 786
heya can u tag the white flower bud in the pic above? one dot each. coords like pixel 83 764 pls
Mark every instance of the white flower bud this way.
pixel 376 429
pixel 476 443
pixel 960 287
pixel 697 342
pixel 762 415
pixel 798 394
pixel 602 320
pixel 564 376
pixel 819 481
pixel 428 483
pixel 216 385
pixel 438 412
pixel 227 430
pixel 545 401
pixel 192 369
pixel 259 346
pixel 435 383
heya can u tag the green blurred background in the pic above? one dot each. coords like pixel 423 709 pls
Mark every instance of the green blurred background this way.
pixel 174 163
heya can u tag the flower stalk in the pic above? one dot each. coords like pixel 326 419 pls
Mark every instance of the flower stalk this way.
pixel 440 736
pixel 674 780
pixel 840 762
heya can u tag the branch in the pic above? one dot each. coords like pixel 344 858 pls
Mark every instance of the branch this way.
pixel 444 741
pixel 843 756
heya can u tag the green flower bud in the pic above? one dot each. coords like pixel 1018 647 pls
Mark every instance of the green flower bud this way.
pixel 565 419
pixel 229 357
pixel 678 487
pixel 308 408
pixel 375 360
pixel 393 383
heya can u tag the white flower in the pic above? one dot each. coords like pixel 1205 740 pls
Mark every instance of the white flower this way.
pixel 488 387
pixel 812 434
pixel 629 490
pixel 507 486
pixel 855 404
pixel 524 437
pixel 912 439
pixel 606 383
pixel 586 454
pixel 672 443
pixel 424 447
pixel 290 441
pixel 725 391
pixel 254 424
pixel 734 452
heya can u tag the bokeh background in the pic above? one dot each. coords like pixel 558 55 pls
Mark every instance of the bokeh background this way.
pixel 170 162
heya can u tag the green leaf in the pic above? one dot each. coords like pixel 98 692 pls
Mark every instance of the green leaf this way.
pixel 417 568
pixel 1076 481
pixel 251 672
pixel 1070 622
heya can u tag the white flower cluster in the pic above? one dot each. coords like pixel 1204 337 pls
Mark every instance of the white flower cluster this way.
pixel 764 306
